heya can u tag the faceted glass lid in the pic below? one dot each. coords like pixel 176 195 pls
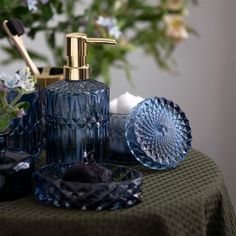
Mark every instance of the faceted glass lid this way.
pixel 158 133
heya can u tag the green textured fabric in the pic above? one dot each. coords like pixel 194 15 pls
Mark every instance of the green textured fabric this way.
pixel 187 201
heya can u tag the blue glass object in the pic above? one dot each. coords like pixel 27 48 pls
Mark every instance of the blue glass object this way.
pixel 48 76
pixel 26 132
pixel 119 149
pixel 15 172
pixel 124 191
pixel 77 117
pixel 158 133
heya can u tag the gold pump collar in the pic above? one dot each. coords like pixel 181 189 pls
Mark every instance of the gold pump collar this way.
pixel 76 53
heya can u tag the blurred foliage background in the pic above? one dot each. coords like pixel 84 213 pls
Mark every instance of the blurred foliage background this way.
pixel 156 28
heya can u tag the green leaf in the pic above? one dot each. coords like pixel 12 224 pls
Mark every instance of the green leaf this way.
pixel 38 56
pixel 5 119
pixel 34 30
pixel 19 11
pixel 23 105
pixel 58 58
pixel 4 2
pixel 59 8
pixel 11 51
pixel 70 7
pixel 127 71
pixel 2 104
pixel 47 12
pixel 149 17
pixel 15 55
pixel 51 39
pixel 192 31
pixel 105 72
pixel 8 61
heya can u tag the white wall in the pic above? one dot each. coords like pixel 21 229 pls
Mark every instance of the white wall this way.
pixel 205 87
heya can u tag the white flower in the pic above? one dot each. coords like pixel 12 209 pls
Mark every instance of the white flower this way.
pixel 9 81
pixel 32 5
pixel 176 27
pixel 115 32
pixel 110 24
pixel 107 22
pixel 22 79
pixel 27 85
pixel 24 74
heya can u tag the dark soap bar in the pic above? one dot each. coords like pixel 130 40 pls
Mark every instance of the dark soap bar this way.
pixel 88 173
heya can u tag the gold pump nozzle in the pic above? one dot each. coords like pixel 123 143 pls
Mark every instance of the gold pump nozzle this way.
pixel 76 53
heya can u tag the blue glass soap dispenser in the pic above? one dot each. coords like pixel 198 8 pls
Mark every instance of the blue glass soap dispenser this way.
pixel 77 108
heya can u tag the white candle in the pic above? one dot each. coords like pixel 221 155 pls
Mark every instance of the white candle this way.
pixel 124 103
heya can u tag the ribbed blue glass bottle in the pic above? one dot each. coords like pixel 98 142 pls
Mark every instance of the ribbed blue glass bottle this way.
pixel 77 116
pixel 77 108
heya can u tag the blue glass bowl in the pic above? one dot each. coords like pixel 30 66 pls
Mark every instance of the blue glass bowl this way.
pixel 124 191
pixel 158 133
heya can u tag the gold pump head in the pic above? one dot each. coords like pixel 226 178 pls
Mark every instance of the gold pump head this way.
pixel 76 53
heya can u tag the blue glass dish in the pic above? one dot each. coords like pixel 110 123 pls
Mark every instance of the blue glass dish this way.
pixel 124 191
pixel 158 133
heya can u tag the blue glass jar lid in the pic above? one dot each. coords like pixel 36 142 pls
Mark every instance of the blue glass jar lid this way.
pixel 158 133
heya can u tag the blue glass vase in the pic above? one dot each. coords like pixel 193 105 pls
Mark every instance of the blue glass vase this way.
pixel 26 132
pixel 77 119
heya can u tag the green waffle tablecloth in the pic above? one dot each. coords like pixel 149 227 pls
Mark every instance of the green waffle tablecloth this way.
pixel 187 201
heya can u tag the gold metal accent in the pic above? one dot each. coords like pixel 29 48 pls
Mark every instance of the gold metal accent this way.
pixel 44 79
pixel 76 53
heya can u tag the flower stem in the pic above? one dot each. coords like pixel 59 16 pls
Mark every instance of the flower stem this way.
pixel 17 98
pixel 3 100
pixel 5 103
